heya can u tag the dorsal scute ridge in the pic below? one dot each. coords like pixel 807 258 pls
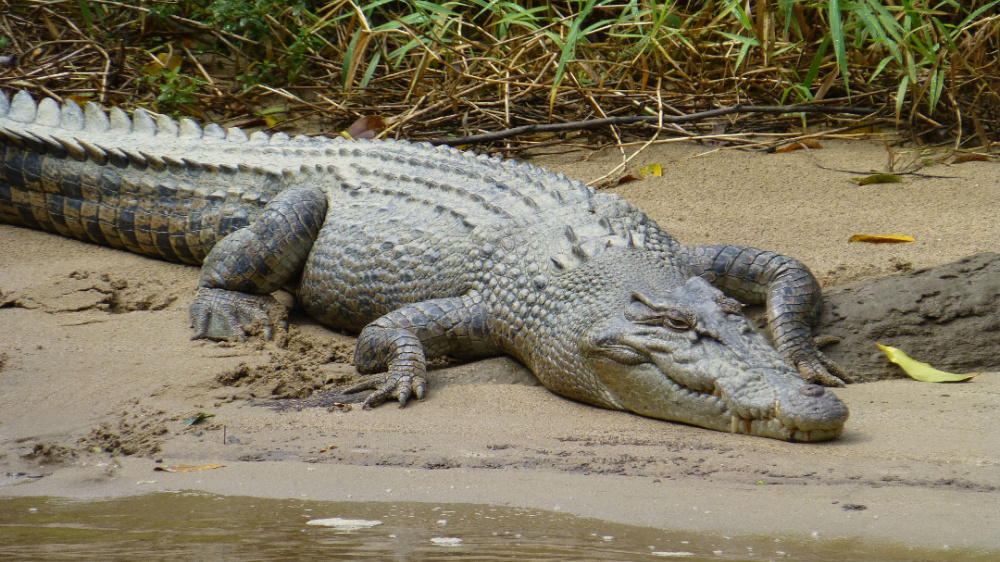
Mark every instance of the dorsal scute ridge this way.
pixel 236 135
pixel 94 152
pixel 48 113
pixel 22 108
pixel 214 131
pixel 73 148
pixel 165 126
pixel 72 118
pixel 49 143
pixel 120 122
pixel 143 124
pixel 94 118
pixel 189 129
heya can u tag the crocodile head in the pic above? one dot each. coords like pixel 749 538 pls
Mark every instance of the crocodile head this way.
pixel 670 346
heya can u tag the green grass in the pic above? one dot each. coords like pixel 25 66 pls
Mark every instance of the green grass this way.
pixel 490 64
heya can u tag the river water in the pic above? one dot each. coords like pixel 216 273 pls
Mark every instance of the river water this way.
pixel 200 526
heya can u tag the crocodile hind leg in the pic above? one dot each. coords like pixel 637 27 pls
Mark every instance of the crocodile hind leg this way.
pixel 245 267
pixel 790 292
pixel 398 345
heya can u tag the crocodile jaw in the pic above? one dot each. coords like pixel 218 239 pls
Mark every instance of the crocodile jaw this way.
pixel 791 410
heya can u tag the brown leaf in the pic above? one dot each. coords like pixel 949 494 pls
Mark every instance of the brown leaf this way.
pixel 808 143
pixel 78 100
pixel 366 127
pixel 973 157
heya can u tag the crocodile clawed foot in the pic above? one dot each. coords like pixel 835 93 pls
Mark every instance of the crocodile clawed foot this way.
pixel 395 385
pixel 815 367
pixel 218 314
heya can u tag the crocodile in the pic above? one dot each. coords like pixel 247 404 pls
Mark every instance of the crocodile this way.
pixel 429 251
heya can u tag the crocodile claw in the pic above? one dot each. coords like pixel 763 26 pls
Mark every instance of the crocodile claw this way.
pixel 815 367
pixel 395 385
pixel 219 314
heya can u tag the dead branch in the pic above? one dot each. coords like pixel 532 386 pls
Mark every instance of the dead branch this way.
pixel 633 119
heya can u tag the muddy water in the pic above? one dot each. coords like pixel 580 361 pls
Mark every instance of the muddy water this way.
pixel 188 525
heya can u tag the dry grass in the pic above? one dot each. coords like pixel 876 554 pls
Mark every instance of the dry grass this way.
pixel 437 70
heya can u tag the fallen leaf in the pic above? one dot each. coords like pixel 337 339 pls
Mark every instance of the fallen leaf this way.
pixel 198 418
pixel 879 178
pixel 920 371
pixel 366 127
pixel 78 100
pixel 653 169
pixel 809 143
pixel 971 158
pixel 164 61
pixel 270 119
pixel 881 238
pixel 187 468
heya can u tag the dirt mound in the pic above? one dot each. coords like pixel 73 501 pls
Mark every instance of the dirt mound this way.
pixel 948 316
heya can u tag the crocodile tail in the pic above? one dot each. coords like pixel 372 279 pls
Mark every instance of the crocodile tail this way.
pixel 56 176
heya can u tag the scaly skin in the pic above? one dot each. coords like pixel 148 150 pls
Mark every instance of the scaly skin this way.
pixel 430 251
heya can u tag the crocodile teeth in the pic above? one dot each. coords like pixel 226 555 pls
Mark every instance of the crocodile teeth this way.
pixel 740 425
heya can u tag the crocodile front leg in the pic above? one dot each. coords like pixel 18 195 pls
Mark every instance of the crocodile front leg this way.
pixel 790 291
pixel 245 267
pixel 398 345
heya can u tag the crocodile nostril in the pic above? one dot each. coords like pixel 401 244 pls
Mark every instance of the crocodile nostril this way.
pixel 813 390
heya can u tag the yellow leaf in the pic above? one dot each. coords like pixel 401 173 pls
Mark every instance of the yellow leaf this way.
pixel 654 169
pixel 164 61
pixel 879 178
pixel 881 238
pixel 187 468
pixel 920 371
